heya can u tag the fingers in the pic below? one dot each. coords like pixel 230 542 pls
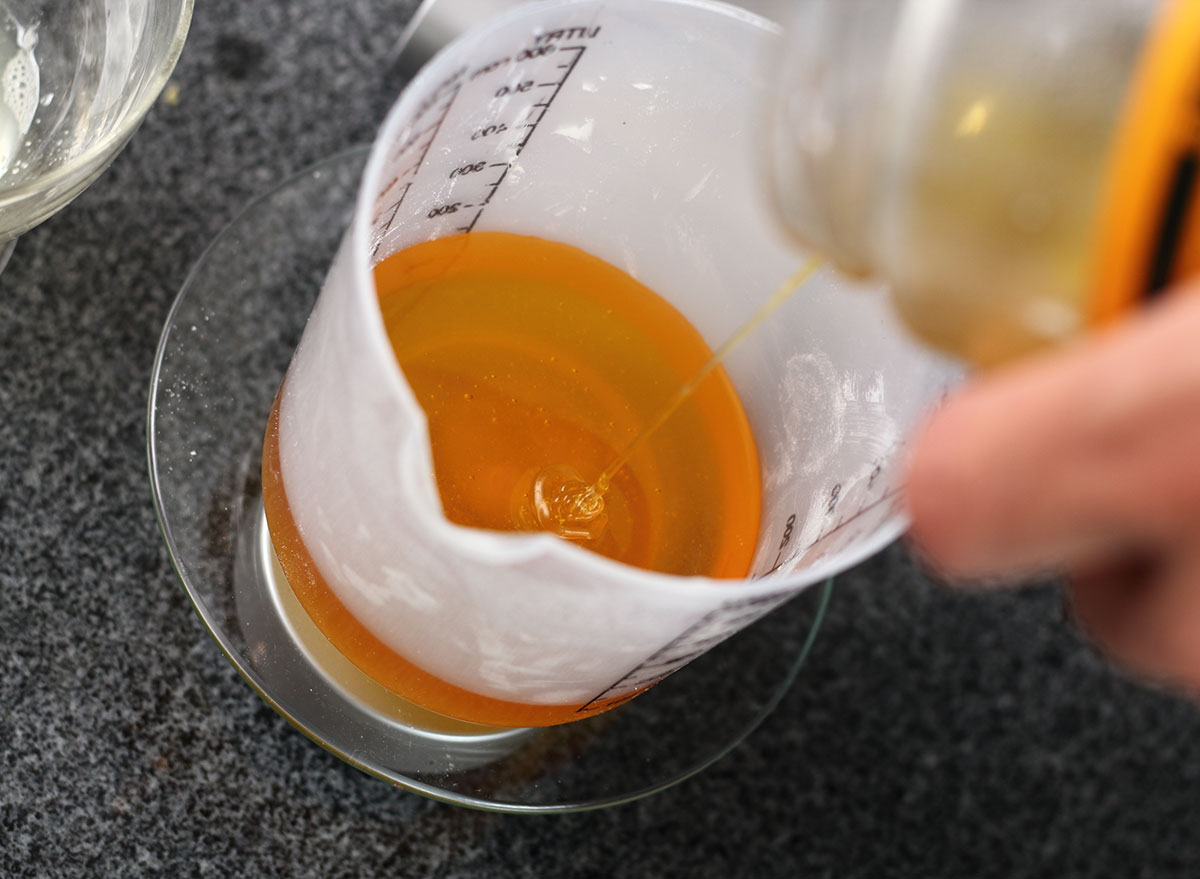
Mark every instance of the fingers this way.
pixel 1145 612
pixel 1086 461
pixel 1068 460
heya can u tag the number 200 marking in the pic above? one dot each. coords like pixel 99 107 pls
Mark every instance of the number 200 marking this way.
pixel 489 130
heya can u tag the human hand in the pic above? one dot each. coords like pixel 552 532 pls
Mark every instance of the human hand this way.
pixel 1086 462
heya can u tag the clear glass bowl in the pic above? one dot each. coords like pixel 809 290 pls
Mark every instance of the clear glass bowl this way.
pixel 76 78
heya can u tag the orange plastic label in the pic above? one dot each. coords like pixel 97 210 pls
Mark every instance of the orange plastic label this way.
pixel 1148 235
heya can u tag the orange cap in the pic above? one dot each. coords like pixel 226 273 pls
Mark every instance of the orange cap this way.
pixel 1148 231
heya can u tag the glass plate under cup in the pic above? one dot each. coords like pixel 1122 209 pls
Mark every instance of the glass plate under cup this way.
pixel 223 352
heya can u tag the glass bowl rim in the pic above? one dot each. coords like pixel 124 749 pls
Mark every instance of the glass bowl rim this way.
pixel 105 146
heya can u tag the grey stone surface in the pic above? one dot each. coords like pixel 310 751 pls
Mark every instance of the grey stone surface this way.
pixel 932 734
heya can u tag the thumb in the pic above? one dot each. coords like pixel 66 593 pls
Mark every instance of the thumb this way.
pixel 1069 458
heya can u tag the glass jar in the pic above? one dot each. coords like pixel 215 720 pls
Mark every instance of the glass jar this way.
pixel 1018 171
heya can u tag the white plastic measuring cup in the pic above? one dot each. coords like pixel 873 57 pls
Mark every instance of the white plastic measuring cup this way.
pixel 627 129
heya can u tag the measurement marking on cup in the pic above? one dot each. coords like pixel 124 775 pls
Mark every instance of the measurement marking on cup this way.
pixel 496 185
pixel 445 111
pixel 497 127
pixel 886 497
pixel 429 133
pixel 492 187
pixel 494 130
pixel 392 217
pixel 788 527
pixel 710 630
pixel 862 511
pixel 569 68
pixel 470 225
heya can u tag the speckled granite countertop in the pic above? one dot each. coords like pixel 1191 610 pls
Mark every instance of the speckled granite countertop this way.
pixel 931 734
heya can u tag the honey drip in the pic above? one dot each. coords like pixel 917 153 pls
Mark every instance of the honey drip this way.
pixel 561 501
